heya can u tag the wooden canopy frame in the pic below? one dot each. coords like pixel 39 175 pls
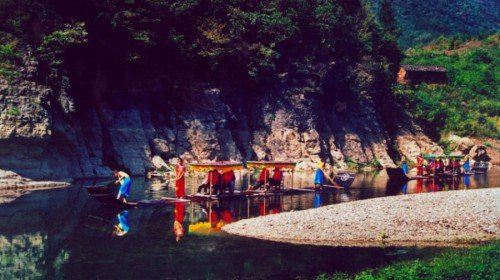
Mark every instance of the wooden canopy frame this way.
pixel 286 165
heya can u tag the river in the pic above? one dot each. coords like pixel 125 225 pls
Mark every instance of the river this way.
pixel 63 233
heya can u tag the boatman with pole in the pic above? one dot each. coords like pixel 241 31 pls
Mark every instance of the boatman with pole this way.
pixel 319 177
pixel 404 167
pixel 124 181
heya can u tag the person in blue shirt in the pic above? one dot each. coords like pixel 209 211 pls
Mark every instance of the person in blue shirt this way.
pixel 319 177
pixel 405 168
pixel 466 166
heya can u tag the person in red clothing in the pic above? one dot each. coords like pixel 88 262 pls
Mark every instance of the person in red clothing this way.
pixel 420 165
pixel 180 181
pixel 449 166
pixel 456 166
pixel 228 180
pixel 263 179
pixel 178 220
pixel 217 183
pixel 277 178
pixel 439 166
pixel 431 167
pixel 212 182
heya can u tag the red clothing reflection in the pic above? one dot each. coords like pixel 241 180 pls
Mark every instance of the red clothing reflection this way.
pixel 420 185
pixel 420 167
pixel 179 210
pixel 227 216
pixel 262 209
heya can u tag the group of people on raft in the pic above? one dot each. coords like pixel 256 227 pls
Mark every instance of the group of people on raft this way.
pixel 269 182
pixel 438 166
pixel 217 183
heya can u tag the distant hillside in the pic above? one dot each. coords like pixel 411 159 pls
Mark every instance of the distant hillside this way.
pixel 422 21
pixel 470 104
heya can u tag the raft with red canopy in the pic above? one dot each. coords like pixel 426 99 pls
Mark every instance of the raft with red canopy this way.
pixel 285 166
pixel 221 167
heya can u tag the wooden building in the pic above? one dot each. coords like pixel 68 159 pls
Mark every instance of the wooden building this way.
pixel 415 74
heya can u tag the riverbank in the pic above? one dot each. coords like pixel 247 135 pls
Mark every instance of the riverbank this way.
pixel 481 262
pixel 442 218
pixel 12 185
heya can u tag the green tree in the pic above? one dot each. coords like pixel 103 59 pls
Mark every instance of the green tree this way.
pixel 387 18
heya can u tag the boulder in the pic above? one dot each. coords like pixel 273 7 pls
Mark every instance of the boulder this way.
pixel 160 147
pixel 158 162
pixel 460 143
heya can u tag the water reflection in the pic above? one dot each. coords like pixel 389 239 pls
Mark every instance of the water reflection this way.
pixel 179 210
pixel 122 227
pixel 65 234
pixel 317 200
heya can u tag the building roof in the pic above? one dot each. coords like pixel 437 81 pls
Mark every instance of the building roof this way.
pixel 419 68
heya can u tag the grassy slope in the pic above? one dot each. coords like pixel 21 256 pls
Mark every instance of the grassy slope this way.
pixel 470 104
pixel 482 262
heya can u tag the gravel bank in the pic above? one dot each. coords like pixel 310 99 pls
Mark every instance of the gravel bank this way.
pixel 443 218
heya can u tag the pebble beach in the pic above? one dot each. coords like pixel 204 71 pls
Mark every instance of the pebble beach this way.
pixel 451 218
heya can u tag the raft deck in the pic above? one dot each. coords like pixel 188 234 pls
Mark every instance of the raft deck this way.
pixel 247 194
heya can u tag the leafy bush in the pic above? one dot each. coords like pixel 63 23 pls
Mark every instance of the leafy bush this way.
pixel 56 43
pixel 9 56
pixel 14 111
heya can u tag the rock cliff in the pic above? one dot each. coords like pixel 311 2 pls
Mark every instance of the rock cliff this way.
pixel 64 132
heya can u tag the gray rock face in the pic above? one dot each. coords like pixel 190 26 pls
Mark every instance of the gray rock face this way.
pixel 46 133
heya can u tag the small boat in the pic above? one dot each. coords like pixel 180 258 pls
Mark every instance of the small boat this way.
pixel 344 179
pixel 99 190
pixel 110 200
pixel 480 166
pixel 341 180
pixel 105 196
pixel 482 160
pixel 396 174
